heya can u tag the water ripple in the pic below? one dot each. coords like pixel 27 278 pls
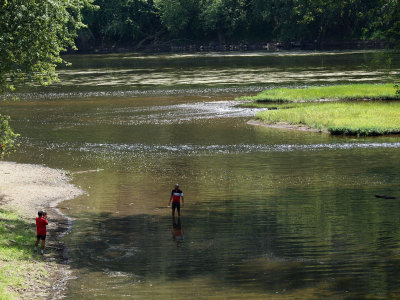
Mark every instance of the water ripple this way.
pixel 239 148
pixel 192 149
pixel 203 91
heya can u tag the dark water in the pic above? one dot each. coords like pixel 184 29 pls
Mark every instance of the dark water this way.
pixel 268 213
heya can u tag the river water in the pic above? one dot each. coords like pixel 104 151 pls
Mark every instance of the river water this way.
pixel 268 213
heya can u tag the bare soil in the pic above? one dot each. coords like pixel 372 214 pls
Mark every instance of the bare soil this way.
pixel 27 189
pixel 283 125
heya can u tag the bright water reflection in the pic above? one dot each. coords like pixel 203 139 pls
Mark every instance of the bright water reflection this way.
pixel 209 74
pixel 269 213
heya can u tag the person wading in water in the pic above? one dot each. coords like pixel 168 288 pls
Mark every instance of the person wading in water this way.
pixel 176 196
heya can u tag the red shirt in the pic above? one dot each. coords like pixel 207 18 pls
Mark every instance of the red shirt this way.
pixel 41 226
pixel 176 196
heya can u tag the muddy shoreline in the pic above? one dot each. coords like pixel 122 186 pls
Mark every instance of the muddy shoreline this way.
pixel 26 189
pixel 244 46
pixel 285 126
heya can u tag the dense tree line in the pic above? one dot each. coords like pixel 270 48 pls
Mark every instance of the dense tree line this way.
pixel 141 22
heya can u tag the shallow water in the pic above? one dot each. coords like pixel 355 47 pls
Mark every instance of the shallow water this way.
pixel 268 213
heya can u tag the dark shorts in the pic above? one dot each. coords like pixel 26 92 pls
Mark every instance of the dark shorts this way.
pixel 176 205
pixel 41 237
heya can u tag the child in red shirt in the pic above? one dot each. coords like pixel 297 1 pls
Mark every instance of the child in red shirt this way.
pixel 41 223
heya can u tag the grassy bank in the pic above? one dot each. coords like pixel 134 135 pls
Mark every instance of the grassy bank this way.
pixel 334 92
pixel 20 267
pixel 350 118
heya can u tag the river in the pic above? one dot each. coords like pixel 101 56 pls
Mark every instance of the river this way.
pixel 268 213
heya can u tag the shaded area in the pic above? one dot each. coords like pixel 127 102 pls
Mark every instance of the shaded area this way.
pixel 156 25
pixel 237 245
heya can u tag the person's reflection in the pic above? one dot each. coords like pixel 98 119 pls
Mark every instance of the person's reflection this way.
pixel 177 231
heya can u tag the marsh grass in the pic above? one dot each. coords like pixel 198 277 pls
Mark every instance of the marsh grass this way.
pixel 334 92
pixel 348 118
pixel 19 265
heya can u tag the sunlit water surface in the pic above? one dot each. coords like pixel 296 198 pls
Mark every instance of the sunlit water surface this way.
pixel 268 213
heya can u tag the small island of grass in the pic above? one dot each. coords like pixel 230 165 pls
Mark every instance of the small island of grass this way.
pixel 342 113
pixel 365 118
pixel 333 93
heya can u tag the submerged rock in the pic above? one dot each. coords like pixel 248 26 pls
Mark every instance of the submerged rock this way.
pixel 385 197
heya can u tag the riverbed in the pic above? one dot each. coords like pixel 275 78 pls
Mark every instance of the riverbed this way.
pixel 268 212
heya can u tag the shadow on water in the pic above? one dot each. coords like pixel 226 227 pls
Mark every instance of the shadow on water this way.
pixel 255 257
pixel 133 75
pixel 177 231
pixel 269 212
pixel 142 243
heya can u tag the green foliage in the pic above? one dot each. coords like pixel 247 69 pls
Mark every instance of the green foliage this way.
pixel 7 136
pixel 325 20
pixel 334 92
pixel 397 88
pixel 122 22
pixel 225 17
pixel 384 21
pixel 348 118
pixel 32 35
pixel 178 16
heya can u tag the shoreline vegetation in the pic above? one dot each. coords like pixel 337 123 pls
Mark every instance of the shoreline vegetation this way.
pixel 353 109
pixel 244 46
pixel 24 189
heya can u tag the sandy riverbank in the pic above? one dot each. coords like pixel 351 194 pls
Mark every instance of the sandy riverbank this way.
pixel 27 189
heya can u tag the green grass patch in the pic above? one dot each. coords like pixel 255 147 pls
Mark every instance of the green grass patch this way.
pixel 334 92
pixel 18 263
pixel 349 118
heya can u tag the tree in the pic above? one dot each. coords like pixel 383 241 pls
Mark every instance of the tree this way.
pixel 121 22
pixel 32 35
pixel 224 17
pixel 334 19
pixel 385 22
pixel 180 17
pixel 7 136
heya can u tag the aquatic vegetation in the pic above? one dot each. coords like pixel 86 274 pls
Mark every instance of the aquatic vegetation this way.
pixel 349 118
pixel 334 92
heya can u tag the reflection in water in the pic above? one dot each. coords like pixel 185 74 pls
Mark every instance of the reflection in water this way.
pixel 271 214
pixel 132 75
pixel 177 231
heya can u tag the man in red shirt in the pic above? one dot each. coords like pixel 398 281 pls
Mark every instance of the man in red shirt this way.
pixel 41 223
pixel 176 196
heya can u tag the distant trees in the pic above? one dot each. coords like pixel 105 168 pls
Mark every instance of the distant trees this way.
pixel 343 19
pixel 179 17
pixel 130 22
pixel 385 21
pixel 120 21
